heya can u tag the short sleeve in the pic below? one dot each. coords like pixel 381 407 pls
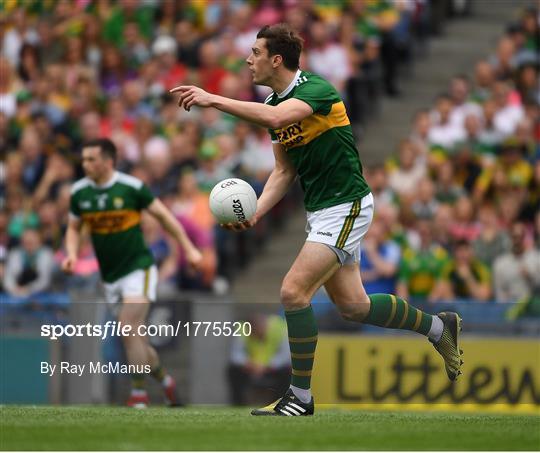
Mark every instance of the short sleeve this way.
pixel 318 93
pixel 145 196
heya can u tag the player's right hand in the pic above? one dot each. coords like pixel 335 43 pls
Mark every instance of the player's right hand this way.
pixel 240 226
pixel 68 264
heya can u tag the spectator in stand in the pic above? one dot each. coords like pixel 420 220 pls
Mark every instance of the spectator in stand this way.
pixel 466 276
pixel 484 77
pixel 188 278
pixel 210 172
pixel 377 178
pixel 188 40
pixel 503 61
pixel 517 273
pixel 380 258
pixel 134 102
pixel 527 83
pixel 463 106
pixel 113 71
pixel 420 275
pixel 444 133
pixel 490 136
pixel 492 241
pixel 210 72
pixel 49 226
pixel 59 170
pixel 29 268
pixel 21 214
pixel 189 201
pixel 442 224
pixel 509 109
pixel 404 179
pixel 326 57
pixel 9 85
pixel 157 160
pixel 135 50
pixel 511 172
pixel 15 37
pixel 169 72
pixel 33 158
pixel 123 12
pixel 257 157
pixel 446 188
pixel 420 132
pixel 260 360
pixel 464 226
pixel 425 205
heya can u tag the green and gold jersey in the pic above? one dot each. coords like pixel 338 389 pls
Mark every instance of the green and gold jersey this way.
pixel 421 269
pixel 321 146
pixel 112 213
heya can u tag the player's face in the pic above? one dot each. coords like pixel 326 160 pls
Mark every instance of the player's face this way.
pixel 260 63
pixel 95 166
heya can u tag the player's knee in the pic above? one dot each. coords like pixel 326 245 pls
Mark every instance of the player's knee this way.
pixel 293 297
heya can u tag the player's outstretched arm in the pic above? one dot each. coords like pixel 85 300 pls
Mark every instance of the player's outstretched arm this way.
pixel 171 225
pixel 269 116
pixel 73 237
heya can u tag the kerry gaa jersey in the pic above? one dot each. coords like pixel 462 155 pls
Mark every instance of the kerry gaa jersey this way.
pixel 321 146
pixel 113 215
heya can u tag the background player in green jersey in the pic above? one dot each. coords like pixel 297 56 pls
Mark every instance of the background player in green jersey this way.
pixel 313 139
pixel 110 204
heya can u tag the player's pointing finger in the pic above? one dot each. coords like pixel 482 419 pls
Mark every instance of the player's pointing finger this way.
pixel 179 89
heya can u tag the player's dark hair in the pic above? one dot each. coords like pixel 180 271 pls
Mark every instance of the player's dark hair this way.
pixel 282 40
pixel 105 145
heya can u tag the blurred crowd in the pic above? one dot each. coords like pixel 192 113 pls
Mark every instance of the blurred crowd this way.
pixel 75 70
pixel 456 206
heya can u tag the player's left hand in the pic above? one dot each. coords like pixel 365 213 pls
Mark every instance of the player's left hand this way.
pixel 191 95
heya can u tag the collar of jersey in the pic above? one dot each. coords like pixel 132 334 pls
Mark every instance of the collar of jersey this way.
pixel 106 185
pixel 291 85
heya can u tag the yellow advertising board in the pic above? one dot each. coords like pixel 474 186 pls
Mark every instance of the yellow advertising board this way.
pixel 371 371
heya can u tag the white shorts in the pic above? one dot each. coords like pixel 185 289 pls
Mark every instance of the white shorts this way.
pixel 139 283
pixel 342 227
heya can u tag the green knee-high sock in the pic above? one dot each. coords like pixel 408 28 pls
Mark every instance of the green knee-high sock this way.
pixel 159 373
pixel 303 333
pixel 393 312
pixel 138 381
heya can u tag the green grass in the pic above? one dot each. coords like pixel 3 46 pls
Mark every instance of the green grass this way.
pixel 114 428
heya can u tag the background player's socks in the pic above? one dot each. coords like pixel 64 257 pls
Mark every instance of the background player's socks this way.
pixel 393 312
pixel 159 374
pixel 302 394
pixel 302 328
pixel 138 381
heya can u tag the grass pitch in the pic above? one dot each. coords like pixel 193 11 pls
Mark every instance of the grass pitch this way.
pixel 216 428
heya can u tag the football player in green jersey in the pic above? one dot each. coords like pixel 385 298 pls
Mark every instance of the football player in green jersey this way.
pixel 110 204
pixel 312 139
